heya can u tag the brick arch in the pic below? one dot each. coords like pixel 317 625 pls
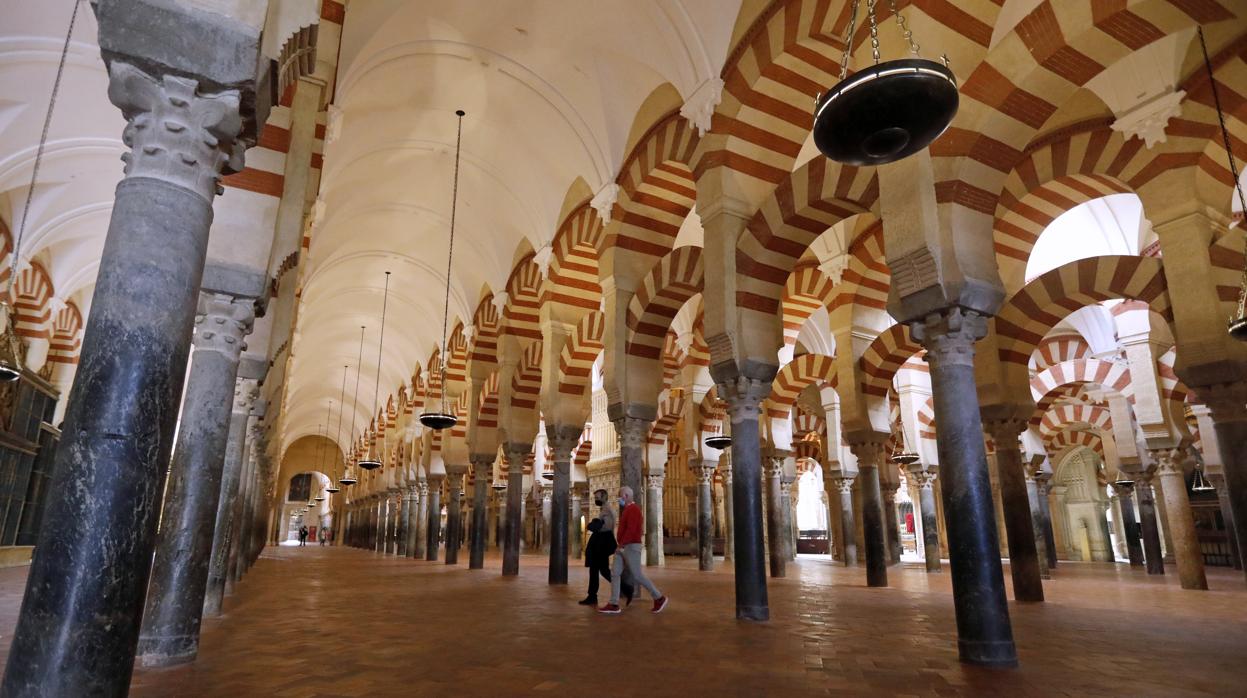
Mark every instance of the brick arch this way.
pixel 802 371
pixel 673 280
pixel 414 399
pixel 433 383
pixel 521 316
pixel 884 357
pixel 572 280
pixel 487 321
pixel 32 311
pixel 806 290
pixel 1061 416
pixel 711 412
pixel 807 423
pixel 584 447
pixel 457 352
pixel 670 411
pixel 926 420
pixel 578 354
pixel 657 188
pixel 1052 383
pixel 804 205
pixel 1171 387
pixel 526 384
pixel 1027 317
pixel 487 414
pixel 1056 348
pixel 66 335
pixel 1067 440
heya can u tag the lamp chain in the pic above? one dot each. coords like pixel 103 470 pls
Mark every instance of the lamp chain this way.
pixel 450 255
pixel 848 41
pixel 359 364
pixel 874 29
pixel 341 410
pixel 376 387
pixel 904 28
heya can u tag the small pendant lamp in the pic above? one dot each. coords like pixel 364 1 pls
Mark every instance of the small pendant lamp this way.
pixel 1237 325
pixel 346 480
pixel 443 418
pixel 1199 483
pixel 331 488
pixel 371 462
pixel 888 111
pixel 719 441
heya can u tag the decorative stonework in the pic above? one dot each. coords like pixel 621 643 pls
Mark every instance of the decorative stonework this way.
pixel 949 336
pixel 704 472
pixel 868 453
pixel 1005 432
pixel 221 323
pixel 604 201
pixel 655 482
pixel 844 484
pixel 743 396
pixel 245 393
pixel 1147 121
pixel 699 108
pixel 563 440
pixel 914 272
pixel 176 134
pixel 1168 460
pixel 633 431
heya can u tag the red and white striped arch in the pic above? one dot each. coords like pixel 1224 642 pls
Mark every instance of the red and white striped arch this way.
pixel 804 370
pixel 32 295
pixel 1050 384
pixel 806 290
pixel 657 188
pixel 572 280
pixel 521 317
pixel 672 281
pixel 66 335
pixel 884 357
pixel 1066 440
pixel 1059 347
pixel 669 414
pixel 486 320
pixel 579 353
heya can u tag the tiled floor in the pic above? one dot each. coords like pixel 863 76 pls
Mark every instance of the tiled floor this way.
pixel 342 622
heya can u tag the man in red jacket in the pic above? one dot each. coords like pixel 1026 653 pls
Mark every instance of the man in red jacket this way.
pixel 628 535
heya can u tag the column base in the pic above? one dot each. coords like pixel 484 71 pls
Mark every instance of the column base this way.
pixel 153 657
pixel 753 613
pixel 991 654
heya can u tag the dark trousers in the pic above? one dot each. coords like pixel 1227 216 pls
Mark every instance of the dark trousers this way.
pixel 600 566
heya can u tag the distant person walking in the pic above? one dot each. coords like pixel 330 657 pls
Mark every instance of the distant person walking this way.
pixel 600 547
pixel 323 536
pixel 302 536
pixel 628 535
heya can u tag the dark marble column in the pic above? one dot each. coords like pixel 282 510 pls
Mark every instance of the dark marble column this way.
pixel 1179 519
pixel 848 524
pixel 482 470
pixel 778 552
pixel 1038 525
pixel 579 493
pixel 1228 404
pixel 244 511
pixel 563 440
pixel 512 526
pixel 654 551
pixel 179 577
pixel 434 531
pixel 80 617
pixel 729 524
pixel 421 516
pixel 227 527
pixel 869 455
pixel 890 523
pixel 705 515
pixel 1152 555
pixel 1125 501
pixel 633 435
pixel 985 635
pixel 1019 531
pixel 1227 515
pixel 454 512
pixel 925 480
pixel 743 396
pixel 1044 507
pixel 403 501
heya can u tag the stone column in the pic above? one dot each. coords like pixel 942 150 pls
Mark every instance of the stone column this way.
pixel 421 515
pixel 434 514
pixel 482 465
pixel 1152 555
pixel 729 526
pixel 743 396
pixel 454 514
pixel 1044 508
pixel 392 503
pixel 847 522
pixel 888 490
pixel 705 516
pixel 79 623
pixel 378 523
pixel 563 440
pixel 243 514
pixel 544 521
pixel 984 633
pixel 576 542
pixel 789 516
pixel 654 552
pixel 925 480
pixel 775 513
pixel 1227 515
pixel 1228 404
pixel 1019 531
pixel 1037 512
pixel 869 455
pixel 516 453
pixel 227 525
pixel 1130 527
pixel 179 577
pixel 1179 519
pixel 403 498
pixel 633 434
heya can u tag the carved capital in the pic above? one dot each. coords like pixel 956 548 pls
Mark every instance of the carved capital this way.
pixel 949 336
pixel 743 396
pixel 175 133
pixel 1168 460
pixel 423 488
pixel 245 393
pixel 924 479
pixel 633 431
pixel 563 440
pixel 655 482
pixel 221 324
pixel 844 484
pixel 869 453
pixel 704 470
pixel 1005 432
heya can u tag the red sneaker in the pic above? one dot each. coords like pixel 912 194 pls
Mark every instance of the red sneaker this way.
pixel 611 608
pixel 660 603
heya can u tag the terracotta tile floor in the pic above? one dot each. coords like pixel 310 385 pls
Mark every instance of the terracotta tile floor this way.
pixel 343 622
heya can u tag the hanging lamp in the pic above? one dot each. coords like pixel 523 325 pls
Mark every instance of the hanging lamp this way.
pixel 719 441
pixel 1199 483
pixel 371 462
pixel 346 480
pixel 905 458
pixel 443 418
pixel 888 111
pixel 1237 325
pixel 11 364
pixel 331 488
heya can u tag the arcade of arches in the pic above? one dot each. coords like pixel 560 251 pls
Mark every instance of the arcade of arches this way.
pixel 994 376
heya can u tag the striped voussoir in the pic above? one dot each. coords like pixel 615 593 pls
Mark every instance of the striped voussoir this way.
pixel 572 279
pixel 32 295
pixel 457 353
pixel 486 322
pixel 670 411
pixel 584 447
pixel 1171 387
pixel 578 354
pixel 657 189
pixel 802 371
pixel 1060 345
pixel 673 280
pixel 488 411
pixel 1047 385
pixel 1067 440
pixel 1027 317
pixel 806 290
pixel 1063 415
pixel 521 317
pixel 884 357
pixel 926 420
pixel 526 385
pixel 66 335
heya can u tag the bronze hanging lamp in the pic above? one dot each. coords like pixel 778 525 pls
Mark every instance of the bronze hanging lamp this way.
pixel 888 111
pixel 371 462
pixel 1199 483
pixel 1237 325
pixel 443 418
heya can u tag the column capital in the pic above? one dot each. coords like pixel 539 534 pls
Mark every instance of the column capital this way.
pixel 633 431
pixel 844 484
pixel 924 479
pixel 221 323
pixel 949 336
pixel 743 396
pixel 563 439
pixel 1168 460
pixel 653 481
pixel 868 452
pixel 423 487
pixel 704 470
pixel 176 133
pixel 1005 431
pixel 246 391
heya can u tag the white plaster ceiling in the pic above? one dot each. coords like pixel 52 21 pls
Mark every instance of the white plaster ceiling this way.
pixel 551 92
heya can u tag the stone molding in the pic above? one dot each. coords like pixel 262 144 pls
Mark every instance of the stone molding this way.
pixel 563 440
pixel 245 393
pixel 949 336
pixel 844 484
pixel 176 134
pixel 221 324
pixel 633 431
pixel 1005 432
pixel 744 396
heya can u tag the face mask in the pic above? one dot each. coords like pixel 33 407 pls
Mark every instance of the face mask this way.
pixel 597 502
pixel 623 502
